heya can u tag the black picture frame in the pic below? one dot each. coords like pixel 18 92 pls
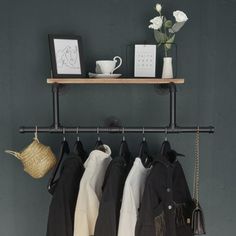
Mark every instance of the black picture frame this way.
pixel 66 56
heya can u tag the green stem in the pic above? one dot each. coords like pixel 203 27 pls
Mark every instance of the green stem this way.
pixel 166 37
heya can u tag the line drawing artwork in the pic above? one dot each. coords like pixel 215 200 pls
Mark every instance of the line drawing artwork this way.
pixel 67 56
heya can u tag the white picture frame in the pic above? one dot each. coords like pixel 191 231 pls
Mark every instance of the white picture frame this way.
pixel 145 60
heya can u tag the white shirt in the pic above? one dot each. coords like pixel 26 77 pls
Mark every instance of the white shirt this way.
pixel 132 196
pixel 90 192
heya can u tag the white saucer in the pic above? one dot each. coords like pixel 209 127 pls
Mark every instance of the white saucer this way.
pixel 93 75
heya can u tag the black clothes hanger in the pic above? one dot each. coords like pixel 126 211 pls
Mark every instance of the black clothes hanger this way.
pixel 99 141
pixel 144 152
pixel 79 148
pixel 63 149
pixel 124 150
pixel 165 147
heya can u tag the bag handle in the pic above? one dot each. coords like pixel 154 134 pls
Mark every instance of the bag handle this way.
pixel 36 134
pixel 16 154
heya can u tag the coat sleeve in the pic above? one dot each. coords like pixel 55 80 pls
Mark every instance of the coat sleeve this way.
pixel 145 223
pixel 108 217
pixel 127 214
pixel 86 210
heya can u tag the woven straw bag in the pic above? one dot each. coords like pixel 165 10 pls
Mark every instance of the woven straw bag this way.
pixel 36 158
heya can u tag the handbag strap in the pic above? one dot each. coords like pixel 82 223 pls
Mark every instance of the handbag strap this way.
pixel 196 185
pixel 36 133
pixel 16 154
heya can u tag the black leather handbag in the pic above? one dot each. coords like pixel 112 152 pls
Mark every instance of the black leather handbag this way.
pixel 197 221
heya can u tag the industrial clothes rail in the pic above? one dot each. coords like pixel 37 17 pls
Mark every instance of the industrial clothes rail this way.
pixel 172 127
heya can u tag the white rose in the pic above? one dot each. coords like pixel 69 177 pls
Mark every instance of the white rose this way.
pixel 180 16
pixel 156 23
pixel 158 7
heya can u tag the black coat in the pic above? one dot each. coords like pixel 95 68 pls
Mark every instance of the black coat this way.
pixel 109 210
pixel 62 207
pixel 166 204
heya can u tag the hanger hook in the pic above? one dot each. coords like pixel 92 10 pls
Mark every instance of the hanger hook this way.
pixel 123 132
pixel 98 133
pixel 144 138
pixel 77 132
pixel 166 133
pixel 64 134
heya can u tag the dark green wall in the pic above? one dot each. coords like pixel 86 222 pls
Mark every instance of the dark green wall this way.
pixel 206 59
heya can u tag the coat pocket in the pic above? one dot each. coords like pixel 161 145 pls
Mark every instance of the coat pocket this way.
pixel 159 222
pixel 180 219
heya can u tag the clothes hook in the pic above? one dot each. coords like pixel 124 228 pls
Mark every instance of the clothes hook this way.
pixel 123 132
pixel 166 133
pixel 144 138
pixel 98 134
pixel 64 134
pixel 77 132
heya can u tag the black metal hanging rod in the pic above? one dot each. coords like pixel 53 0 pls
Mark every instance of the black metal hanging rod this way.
pixel 171 128
pixel 168 130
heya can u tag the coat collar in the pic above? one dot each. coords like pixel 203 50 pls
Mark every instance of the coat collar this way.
pixel 166 162
pixel 164 159
pixel 99 155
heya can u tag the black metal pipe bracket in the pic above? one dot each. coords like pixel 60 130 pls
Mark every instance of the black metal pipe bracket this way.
pixel 56 118
pixel 171 128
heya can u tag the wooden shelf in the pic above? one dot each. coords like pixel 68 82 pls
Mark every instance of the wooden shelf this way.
pixel 114 81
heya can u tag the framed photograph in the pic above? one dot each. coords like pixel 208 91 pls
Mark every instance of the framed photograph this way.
pixel 144 60
pixel 66 56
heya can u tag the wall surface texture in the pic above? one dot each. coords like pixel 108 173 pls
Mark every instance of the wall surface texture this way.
pixel 206 58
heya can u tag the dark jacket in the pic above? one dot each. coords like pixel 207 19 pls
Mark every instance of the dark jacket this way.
pixel 109 210
pixel 166 203
pixel 62 207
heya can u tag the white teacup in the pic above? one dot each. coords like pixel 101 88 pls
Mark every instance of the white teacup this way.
pixel 107 66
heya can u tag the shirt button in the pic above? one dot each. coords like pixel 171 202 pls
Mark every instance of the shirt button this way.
pixel 168 190
pixel 169 207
